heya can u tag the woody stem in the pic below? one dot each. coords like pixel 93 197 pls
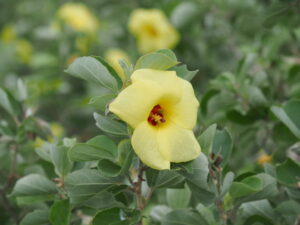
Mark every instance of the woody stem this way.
pixel 138 190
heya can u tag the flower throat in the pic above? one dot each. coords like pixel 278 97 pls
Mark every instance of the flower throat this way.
pixel 156 116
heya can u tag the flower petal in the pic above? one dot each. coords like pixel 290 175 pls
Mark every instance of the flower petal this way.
pixel 167 80
pixel 177 144
pixel 135 102
pixel 141 18
pixel 144 142
pixel 184 113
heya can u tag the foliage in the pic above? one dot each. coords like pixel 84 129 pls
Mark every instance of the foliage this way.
pixel 66 160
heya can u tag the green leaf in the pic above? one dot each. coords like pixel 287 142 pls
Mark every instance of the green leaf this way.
pixel 178 198
pixel 222 145
pixel 110 69
pixel 6 103
pixel 270 169
pixel 102 200
pixel 29 200
pixel 101 102
pixel 184 73
pixel 227 182
pixel 200 172
pixel 107 217
pixel 22 90
pixel 256 96
pixel 268 189
pixel 289 115
pixel 205 99
pixel 93 71
pixel 84 184
pixel 245 187
pixel 168 52
pixel 197 180
pixel 110 126
pixel 155 60
pixel 261 208
pixel 109 168
pixel 182 217
pixel 37 217
pixel 206 214
pixel 128 69
pixel 125 155
pixel 59 213
pixel 288 172
pixel 289 207
pixel 114 216
pixel 164 178
pixel 60 159
pixel 32 185
pixel 158 212
pixel 206 139
pixel 99 147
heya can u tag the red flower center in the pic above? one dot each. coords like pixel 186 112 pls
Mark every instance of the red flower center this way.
pixel 156 116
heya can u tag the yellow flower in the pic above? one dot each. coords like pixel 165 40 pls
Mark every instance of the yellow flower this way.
pixel 24 50
pixel 162 109
pixel 8 34
pixel 264 158
pixel 57 131
pixel 113 56
pixel 78 17
pixel 83 43
pixel 152 30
